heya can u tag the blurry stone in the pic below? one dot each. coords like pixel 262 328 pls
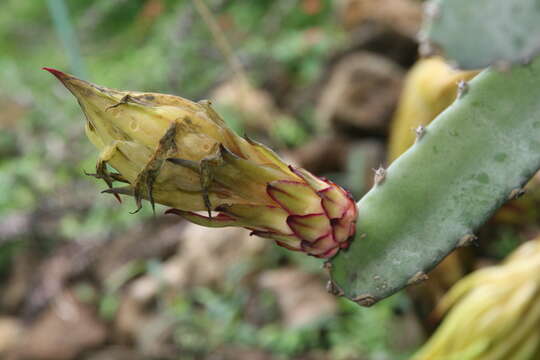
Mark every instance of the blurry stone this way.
pixel 405 332
pixel 50 278
pixel 12 112
pixel 115 353
pixel 383 40
pixel 302 297
pixel 402 15
pixel 206 254
pixel 12 225
pixel 19 280
pixel 323 154
pixel 130 315
pixel 203 258
pixel 65 330
pixel 10 331
pixel 256 106
pixel 154 338
pixel 239 353
pixel 134 245
pixel 361 94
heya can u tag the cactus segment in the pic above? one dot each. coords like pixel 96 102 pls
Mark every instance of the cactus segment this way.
pixel 479 33
pixel 468 162
pixel 430 87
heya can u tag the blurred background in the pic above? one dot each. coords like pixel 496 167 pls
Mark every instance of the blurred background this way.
pixel 317 80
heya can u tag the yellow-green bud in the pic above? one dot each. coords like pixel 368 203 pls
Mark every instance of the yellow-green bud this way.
pixel 180 153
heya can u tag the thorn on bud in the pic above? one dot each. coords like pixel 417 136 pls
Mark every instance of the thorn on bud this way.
pixel 418 278
pixel 516 193
pixel 365 300
pixel 122 101
pixel 380 175
pixel 139 207
pixel 467 240
pixel 463 88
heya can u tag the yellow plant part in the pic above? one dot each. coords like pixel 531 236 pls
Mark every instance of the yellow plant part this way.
pixel 495 313
pixel 179 153
pixel 430 87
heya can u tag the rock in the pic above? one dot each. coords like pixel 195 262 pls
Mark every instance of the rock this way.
pixel 203 257
pixel 256 106
pixel 66 329
pixel 302 297
pixel 10 330
pixel 114 353
pixel 361 94
pixel 239 353
pixel 155 337
pixel 403 15
pixel 131 313
pixel 133 244
pixel 323 154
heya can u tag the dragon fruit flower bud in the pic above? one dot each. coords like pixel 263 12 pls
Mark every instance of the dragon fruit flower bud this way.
pixel 180 153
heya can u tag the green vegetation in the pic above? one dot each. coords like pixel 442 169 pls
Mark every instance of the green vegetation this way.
pixel 158 46
pixel 476 34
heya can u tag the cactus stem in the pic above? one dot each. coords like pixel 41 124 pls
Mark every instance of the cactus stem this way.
pixel 467 240
pixel 380 175
pixel 365 300
pixel 463 88
pixel 418 278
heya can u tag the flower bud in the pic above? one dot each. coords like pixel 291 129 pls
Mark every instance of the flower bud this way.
pixel 180 153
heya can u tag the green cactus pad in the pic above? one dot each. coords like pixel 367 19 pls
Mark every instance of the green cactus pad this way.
pixel 475 34
pixel 469 161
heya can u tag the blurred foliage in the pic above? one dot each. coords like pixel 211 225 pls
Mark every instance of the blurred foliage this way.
pixel 207 320
pixel 157 45
pixel 150 45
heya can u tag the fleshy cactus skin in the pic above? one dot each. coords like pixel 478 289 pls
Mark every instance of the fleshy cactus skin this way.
pixel 470 160
pixel 180 153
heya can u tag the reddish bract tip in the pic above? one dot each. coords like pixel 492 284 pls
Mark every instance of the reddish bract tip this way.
pixel 59 74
